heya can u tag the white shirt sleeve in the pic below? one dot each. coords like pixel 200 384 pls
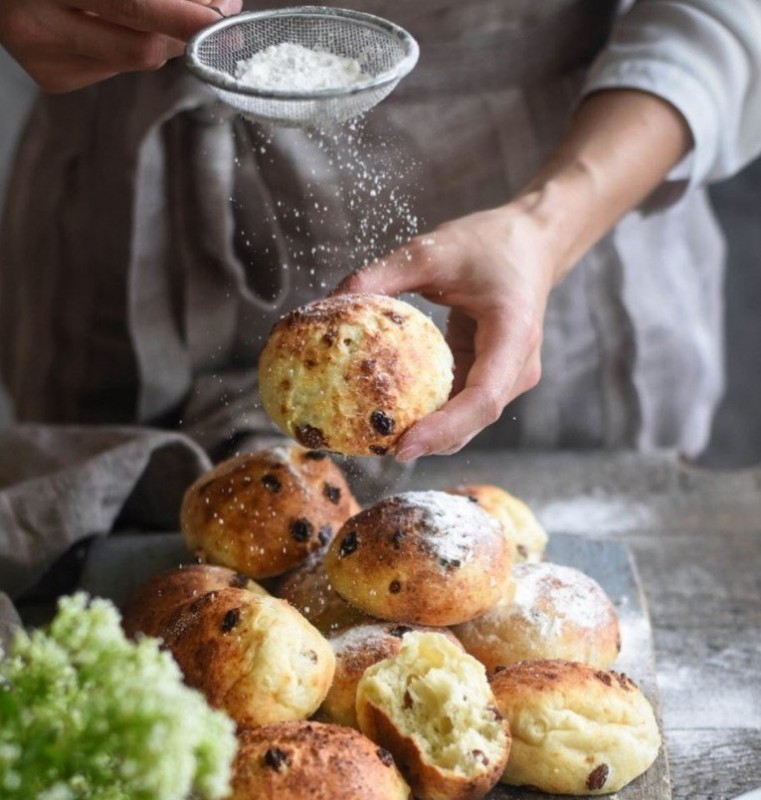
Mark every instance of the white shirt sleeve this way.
pixel 703 57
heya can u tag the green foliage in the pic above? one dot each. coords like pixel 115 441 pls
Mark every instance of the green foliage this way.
pixel 86 714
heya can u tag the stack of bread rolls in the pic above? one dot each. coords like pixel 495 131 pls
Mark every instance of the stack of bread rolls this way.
pixel 419 646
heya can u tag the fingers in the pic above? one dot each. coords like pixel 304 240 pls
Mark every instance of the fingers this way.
pixel 177 19
pixel 407 269
pixel 506 364
pixel 69 73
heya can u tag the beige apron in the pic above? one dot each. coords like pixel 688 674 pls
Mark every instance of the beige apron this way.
pixel 152 238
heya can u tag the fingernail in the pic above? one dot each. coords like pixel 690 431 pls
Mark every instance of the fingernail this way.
pixel 410 453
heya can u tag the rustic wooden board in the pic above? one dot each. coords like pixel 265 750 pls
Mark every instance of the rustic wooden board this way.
pixel 116 565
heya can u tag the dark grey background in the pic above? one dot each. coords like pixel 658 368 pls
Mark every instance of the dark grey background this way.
pixel 737 431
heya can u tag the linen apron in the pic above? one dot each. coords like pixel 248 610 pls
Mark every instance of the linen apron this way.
pixel 152 238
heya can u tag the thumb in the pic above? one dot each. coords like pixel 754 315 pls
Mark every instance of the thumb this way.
pixel 404 270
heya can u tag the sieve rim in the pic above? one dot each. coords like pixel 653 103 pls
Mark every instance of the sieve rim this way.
pixel 223 80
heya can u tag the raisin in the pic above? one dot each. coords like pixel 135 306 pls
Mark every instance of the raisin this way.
pixel 382 423
pixel 271 482
pixel 379 451
pixel 239 581
pixel 407 700
pixel 597 777
pixel 398 538
pixel 395 587
pixel 333 493
pixel 398 319
pixel 349 544
pixel 450 563
pixel 479 755
pixel 399 631
pixel 385 756
pixel 230 620
pixel 472 498
pixel 325 534
pixel 310 437
pixel 275 759
pixel 604 677
pixel 301 529
pixel 316 455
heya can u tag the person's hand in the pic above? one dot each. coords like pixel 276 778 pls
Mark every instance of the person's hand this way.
pixel 68 44
pixel 495 270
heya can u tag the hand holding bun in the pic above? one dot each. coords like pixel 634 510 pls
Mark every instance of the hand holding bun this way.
pixel 576 730
pixel 352 373
pixel 432 707
pixel 264 513
pixel 313 761
pixel 428 558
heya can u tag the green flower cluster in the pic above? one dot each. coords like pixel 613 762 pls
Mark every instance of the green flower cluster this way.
pixel 86 714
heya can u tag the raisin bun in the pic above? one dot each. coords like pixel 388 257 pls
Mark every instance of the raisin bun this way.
pixel 252 655
pixel 153 603
pixel 522 528
pixel 309 590
pixel 351 373
pixel 432 707
pixel 313 761
pixel 428 558
pixel 576 730
pixel 263 513
pixel 357 649
pixel 556 612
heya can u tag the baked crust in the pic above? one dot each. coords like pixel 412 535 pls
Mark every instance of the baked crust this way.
pixel 352 373
pixel 314 761
pixel 264 513
pixel 522 528
pixel 252 655
pixel 556 612
pixel 576 729
pixel 427 558
pixel 152 604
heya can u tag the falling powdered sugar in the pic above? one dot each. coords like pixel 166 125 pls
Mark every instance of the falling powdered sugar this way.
pixel 291 67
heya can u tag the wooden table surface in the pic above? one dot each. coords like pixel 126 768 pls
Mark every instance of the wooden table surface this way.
pixel 696 536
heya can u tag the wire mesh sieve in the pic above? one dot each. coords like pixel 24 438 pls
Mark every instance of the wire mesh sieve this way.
pixel 385 52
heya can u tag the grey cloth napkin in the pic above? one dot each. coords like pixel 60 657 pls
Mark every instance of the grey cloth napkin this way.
pixel 59 485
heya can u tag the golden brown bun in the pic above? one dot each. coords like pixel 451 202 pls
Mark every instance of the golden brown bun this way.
pixel 263 513
pixel 556 612
pixel 522 528
pixel 153 603
pixel 351 373
pixel 432 707
pixel 576 729
pixel 313 761
pixel 308 589
pixel 252 655
pixel 428 558
pixel 357 649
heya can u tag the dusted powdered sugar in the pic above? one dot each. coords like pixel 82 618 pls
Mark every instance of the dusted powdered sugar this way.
pixel 294 68
pixel 455 525
pixel 550 595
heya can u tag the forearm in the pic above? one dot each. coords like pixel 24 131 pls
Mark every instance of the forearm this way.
pixel 618 148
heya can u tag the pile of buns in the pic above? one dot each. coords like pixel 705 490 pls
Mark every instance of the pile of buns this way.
pixel 419 647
